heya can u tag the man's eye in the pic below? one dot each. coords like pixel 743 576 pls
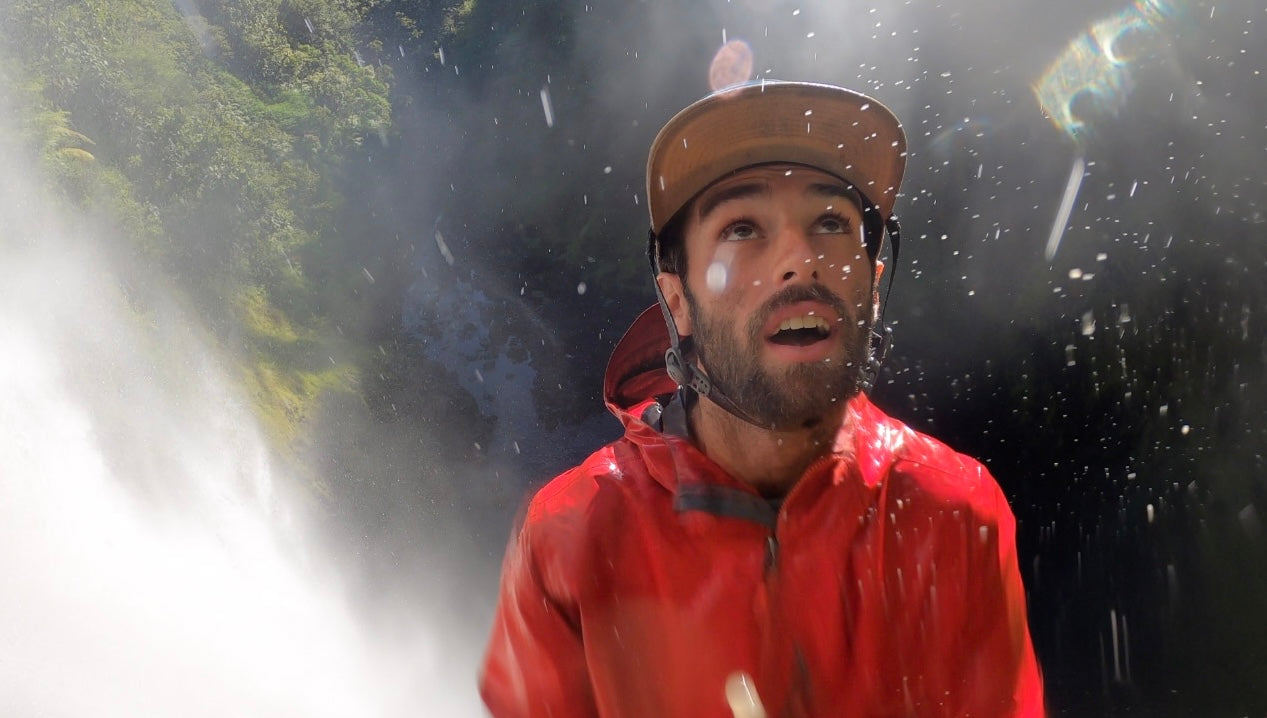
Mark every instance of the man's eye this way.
pixel 832 224
pixel 739 231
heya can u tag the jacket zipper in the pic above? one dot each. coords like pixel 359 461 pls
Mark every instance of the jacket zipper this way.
pixel 770 583
pixel 772 541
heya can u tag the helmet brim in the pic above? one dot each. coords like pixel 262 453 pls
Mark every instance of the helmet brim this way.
pixel 838 131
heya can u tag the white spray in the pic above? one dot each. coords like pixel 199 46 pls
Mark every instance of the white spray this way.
pixel 151 563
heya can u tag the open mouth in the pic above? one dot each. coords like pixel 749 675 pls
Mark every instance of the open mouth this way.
pixel 801 331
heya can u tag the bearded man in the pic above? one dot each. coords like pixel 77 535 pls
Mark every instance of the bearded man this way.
pixel 763 540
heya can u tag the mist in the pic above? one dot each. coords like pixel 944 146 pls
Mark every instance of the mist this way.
pixel 159 560
pixel 1078 303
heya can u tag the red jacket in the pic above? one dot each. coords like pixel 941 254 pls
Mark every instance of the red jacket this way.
pixel 885 585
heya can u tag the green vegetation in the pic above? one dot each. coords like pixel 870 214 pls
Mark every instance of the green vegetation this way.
pixel 215 142
pixel 236 148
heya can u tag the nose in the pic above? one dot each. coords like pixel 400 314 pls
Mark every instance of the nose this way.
pixel 796 258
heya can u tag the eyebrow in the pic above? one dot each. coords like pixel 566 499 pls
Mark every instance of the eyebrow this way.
pixel 831 190
pixel 753 189
pixel 730 194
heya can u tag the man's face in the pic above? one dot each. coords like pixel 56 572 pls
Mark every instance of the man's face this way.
pixel 779 293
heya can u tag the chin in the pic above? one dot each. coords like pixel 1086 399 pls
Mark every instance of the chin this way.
pixel 809 405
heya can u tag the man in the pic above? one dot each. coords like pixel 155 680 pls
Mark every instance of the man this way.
pixel 763 540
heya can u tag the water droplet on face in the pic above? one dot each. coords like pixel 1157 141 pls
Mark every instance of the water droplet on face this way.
pixel 716 277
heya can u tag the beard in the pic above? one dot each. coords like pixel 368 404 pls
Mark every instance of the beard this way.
pixel 792 397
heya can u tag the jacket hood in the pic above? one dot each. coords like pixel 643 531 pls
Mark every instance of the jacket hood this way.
pixel 635 372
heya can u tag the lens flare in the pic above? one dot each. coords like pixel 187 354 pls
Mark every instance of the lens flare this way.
pixel 732 65
pixel 1096 66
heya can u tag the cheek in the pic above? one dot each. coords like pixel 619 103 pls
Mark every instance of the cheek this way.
pixel 849 275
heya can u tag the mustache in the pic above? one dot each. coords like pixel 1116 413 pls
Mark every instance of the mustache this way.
pixel 794 294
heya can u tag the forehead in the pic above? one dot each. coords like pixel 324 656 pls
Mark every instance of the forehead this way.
pixel 771 180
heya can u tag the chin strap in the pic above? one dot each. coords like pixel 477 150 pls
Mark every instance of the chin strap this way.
pixel 882 340
pixel 675 363
pixel 681 371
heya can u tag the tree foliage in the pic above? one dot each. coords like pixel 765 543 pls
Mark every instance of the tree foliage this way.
pixel 215 140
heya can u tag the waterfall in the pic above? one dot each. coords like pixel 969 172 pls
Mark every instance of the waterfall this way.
pixel 155 559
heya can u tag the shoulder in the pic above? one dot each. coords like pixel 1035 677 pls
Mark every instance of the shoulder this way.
pixel 940 467
pixel 570 493
pixel 573 518
pixel 951 501
pixel 926 468
pixel 581 505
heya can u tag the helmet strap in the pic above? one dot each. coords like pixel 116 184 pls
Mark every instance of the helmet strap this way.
pixel 881 334
pixel 675 362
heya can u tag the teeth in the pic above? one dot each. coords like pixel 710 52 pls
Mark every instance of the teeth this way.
pixel 808 321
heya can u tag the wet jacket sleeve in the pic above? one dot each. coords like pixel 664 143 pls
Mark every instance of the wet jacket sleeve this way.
pixel 535 661
pixel 999 669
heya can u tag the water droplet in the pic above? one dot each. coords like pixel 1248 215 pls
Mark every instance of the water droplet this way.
pixel 444 248
pixel 716 277
pixel 545 105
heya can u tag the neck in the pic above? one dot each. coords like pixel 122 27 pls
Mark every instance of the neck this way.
pixel 769 461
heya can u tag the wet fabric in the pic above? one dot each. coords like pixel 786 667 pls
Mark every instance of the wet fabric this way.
pixel 885 583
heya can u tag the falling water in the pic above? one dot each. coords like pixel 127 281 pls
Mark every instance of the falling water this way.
pixel 155 561
pixel 1066 206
